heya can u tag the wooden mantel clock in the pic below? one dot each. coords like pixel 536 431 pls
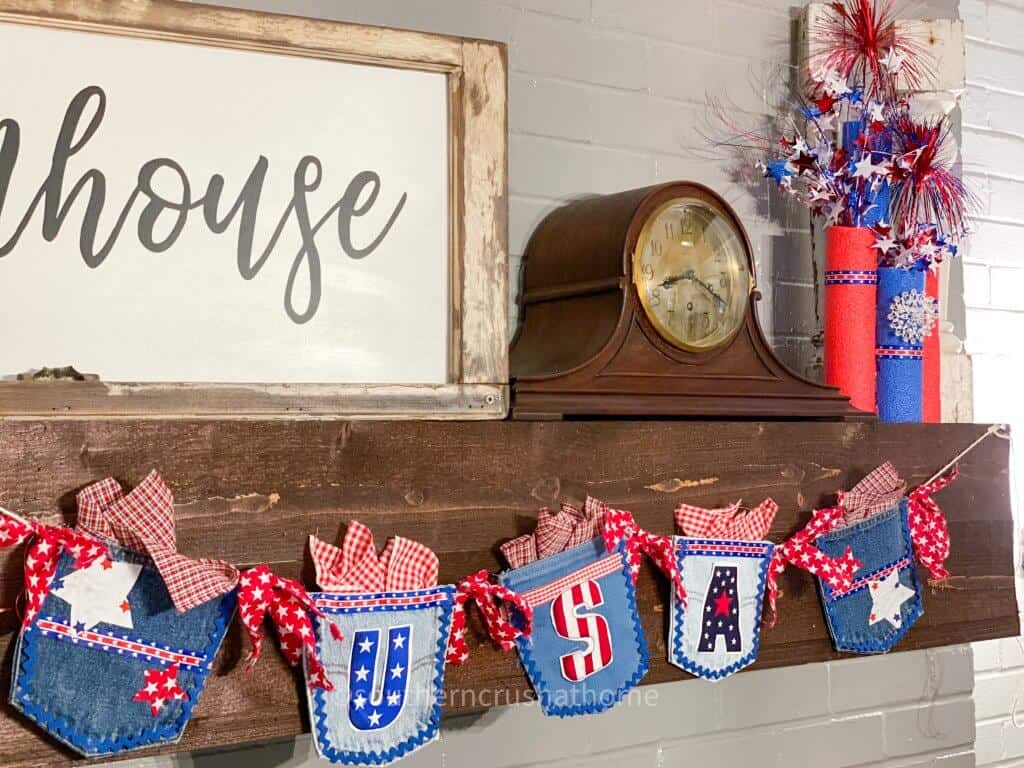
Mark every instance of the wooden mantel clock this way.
pixel 642 303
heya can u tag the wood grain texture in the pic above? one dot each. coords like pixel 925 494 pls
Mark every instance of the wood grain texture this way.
pixel 251 492
pixel 478 216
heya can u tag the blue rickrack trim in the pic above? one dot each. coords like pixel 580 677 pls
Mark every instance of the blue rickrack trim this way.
pixel 679 659
pixel 526 655
pixel 63 731
pixel 429 730
pixel 447 589
pixel 884 644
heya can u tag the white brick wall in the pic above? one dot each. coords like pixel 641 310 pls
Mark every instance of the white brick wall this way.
pixel 993 149
pixel 605 95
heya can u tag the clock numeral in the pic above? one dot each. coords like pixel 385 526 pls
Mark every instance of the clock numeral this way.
pixel 706 321
pixel 656 248
pixel 669 230
pixel 655 298
pixel 647 271
pixel 689 306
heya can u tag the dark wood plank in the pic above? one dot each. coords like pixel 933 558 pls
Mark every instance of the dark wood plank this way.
pixel 251 492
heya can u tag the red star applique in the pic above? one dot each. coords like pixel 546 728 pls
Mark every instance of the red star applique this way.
pixel 125 606
pixel 106 564
pixel 722 604
pixel 161 686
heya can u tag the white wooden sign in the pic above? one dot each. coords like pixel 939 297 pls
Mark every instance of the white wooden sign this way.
pixel 244 226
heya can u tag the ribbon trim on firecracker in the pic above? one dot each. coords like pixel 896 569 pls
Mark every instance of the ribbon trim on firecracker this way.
pixel 851 277
pixel 548 592
pixel 333 602
pixel 864 581
pixel 887 352
pixel 726 547
pixel 123 645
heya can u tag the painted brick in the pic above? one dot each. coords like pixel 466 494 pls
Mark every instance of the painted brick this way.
pixel 547 107
pixel 572 9
pixel 988 65
pixel 1005 25
pixel 1011 652
pixel 668 19
pixel 524 216
pixel 683 73
pixel 976 285
pixel 944 724
pixel 988 330
pixel 559 169
pixel 909 677
pixel 1007 287
pixel 988 740
pixel 1007 195
pixel 994 692
pixel 995 243
pixel 735 749
pixel 797 693
pixel 987 655
pixel 836 743
pixel 573 51
pixel 752 31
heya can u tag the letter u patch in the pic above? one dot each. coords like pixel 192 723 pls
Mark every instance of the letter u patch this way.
pixel 588 648
pixel 388 673
pixel 716 633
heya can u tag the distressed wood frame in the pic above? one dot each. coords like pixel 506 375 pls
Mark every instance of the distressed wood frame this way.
pixel 477 384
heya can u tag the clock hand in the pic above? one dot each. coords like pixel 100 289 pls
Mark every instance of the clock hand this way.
pixel 689 274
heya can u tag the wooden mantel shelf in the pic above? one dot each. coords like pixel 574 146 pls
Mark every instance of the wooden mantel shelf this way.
pixel 251 492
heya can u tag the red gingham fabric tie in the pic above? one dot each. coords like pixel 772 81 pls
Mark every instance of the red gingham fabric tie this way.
pixel 485 594
pixel 802 551
pixel 355 567
pixel 731 522
pixel 143 520
pixel 43 555
pixel 262 593
pixel 928 529
pixel 555 532
pixel 879 491
pixel 619 525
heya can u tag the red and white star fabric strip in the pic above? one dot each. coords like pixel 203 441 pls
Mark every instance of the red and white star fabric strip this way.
pixel 143 520
pixel 928 529
pixel 160 687
pixel 485 594
pixel 43 555
pixel 732 522
pixel 802 551
pixel 355 567
pixel 619 525
pixel 262 593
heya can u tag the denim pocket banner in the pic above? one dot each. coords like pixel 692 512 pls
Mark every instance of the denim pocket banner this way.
pixel 587 649
pixel 883 600
pixel 387 666
pixel 717 632
pixel 107 665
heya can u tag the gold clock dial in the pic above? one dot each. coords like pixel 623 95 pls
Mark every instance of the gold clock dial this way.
pixel 690 271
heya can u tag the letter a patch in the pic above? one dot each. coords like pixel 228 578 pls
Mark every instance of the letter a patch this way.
pixel 716 633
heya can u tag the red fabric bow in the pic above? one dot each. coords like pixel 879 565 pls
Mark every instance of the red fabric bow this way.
pixel 143 520
pixel 485 593
pixel 43 555
pixel 555 532
pixel 802 551
pixel 619 526
pixel 262 593
pixel 928 529
pixel 355 567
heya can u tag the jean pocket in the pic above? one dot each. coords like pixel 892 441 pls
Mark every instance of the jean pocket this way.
pixel 717 632
pixel 108 665
pixel 884 599
pixel 587 649
pixel 388 673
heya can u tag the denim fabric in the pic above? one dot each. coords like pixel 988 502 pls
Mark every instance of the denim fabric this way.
pixel 387 672
pixel 703 639
pixel 542 653
pixel 879 542
pixel 81 692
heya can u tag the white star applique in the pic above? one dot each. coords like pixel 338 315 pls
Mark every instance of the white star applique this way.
pixel 888 595
pixel 99 593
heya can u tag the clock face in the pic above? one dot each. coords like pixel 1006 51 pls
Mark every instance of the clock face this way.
pixel 690 271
